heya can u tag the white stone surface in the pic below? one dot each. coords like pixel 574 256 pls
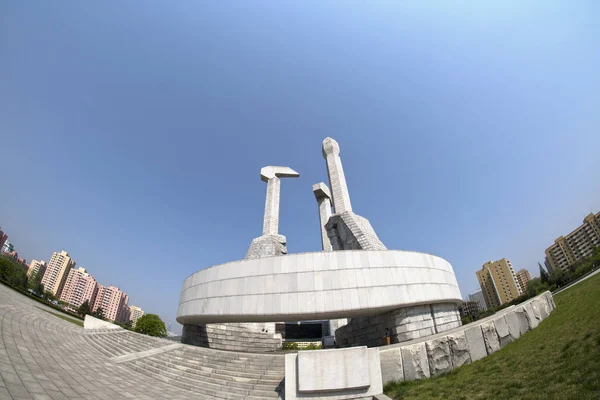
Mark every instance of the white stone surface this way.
pixel 531 318
pixel 439 356
pixel 94 323
pixel 415 362
pixel 477 349
pixel 391 365
pixel 459 349
pixel 337 179
pixel 462 345
pixel 490 336
pixel 271 175
pixel 333 370
pixel 321 192
pixel 514 325
pixel 502 330
pixel 321 285
pixel 333 374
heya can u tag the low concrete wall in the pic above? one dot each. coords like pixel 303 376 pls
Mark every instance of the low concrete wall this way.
pixel 443 352
pixel 94 323
pixel 335 374
pixel 231 336
pixel 404 324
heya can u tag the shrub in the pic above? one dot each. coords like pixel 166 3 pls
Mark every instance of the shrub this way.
pixel 151 324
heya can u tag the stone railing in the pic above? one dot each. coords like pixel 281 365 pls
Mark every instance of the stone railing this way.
pixel 440 353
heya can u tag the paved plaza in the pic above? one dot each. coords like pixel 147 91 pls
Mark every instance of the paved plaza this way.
pixel 45 357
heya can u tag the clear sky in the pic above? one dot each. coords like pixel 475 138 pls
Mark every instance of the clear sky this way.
pixel 132 133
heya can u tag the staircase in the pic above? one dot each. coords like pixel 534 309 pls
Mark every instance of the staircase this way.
pixel 120 342
pixel 216 374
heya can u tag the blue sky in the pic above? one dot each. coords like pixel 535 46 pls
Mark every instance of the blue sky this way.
pixel 132 133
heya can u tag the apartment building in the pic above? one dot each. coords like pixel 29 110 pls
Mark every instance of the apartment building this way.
pixel 468 308
pixel 498 282
pixel 577 245
pixel 79 287
pixel 113 302
pixel 523 277
pixel 57 272
pixel 3 238
pixel 7 247
pixel 36 267
pixel 135 313
pixel 479 299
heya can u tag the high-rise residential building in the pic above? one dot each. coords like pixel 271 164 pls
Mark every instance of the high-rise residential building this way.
pixel 113 302
pixel 79 287
pixel 3 238
pixel 523 277
pixel 577 245
pixel 36 267
pixel 479 299
pixel 498 282
pixel 134 314
pixel 57 272
pixel 468 308
pixel 7 247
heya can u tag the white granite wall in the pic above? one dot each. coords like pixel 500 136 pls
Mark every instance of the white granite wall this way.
pixel 232 336
pixel 312 286
pixel 445 351
pixel 404 324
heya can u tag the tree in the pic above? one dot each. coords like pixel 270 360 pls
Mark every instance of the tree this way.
pixel 84 309
pixel 35 283
pixel 99 313
pixel 151 324
pixel 559 277
pixel 12 272
pixel 545 278
pixel 49 295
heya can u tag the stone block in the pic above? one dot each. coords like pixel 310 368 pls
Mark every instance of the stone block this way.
pixel 531 318
pixel 476 342
pixel 439 355
pixel 391 365
pixel 503 331
pixel 333 370
pixel 333 374
pixel 426 332
pixel 521 315
pixel 514 324
pixel 415 362
pixel 540 308
pixel 490 336
pixel 459 349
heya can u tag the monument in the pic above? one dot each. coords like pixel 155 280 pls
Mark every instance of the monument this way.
pixel 355 282
pixel 271 243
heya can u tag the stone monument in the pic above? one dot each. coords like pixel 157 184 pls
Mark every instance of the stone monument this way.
pixel 271 243
pixel 355 282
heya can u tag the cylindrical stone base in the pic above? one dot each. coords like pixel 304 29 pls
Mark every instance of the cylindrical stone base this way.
pixel 403 324
pixel 231 336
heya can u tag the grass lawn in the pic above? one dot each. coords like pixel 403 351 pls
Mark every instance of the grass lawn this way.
pixel 560 359
pixel 61 316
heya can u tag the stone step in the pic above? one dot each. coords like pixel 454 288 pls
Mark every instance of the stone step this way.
pixel 215 377
pixel 159 377
pixel 204 387
pixel 218 367
pixel 220 360
pixel 265 372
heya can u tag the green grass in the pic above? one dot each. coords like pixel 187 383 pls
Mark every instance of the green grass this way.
pixel 560 359
pixel 71 320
